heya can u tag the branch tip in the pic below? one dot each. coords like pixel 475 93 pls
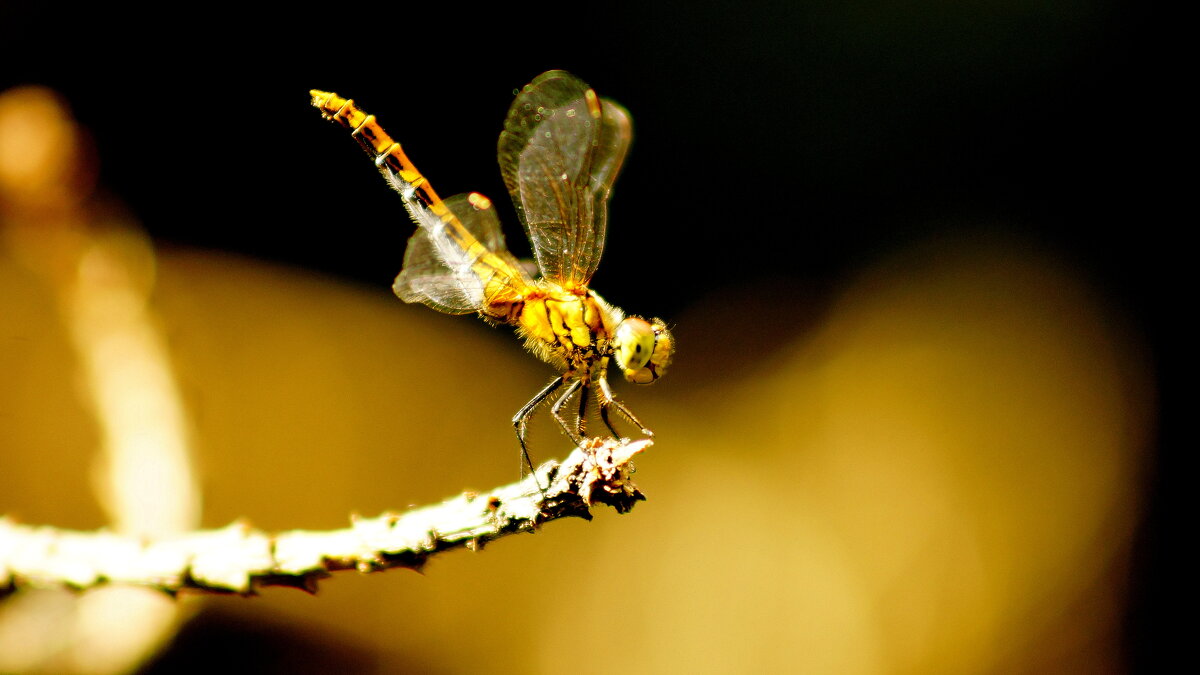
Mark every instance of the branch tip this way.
pixel 240 559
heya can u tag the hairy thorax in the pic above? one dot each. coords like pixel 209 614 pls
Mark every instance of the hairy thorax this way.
pixel 569 329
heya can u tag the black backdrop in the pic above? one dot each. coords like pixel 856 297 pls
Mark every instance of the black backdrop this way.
pixel 781 140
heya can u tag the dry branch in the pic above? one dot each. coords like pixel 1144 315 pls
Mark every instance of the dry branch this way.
pixel 239 558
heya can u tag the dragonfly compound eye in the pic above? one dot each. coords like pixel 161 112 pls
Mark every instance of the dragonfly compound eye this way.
pixel 643 350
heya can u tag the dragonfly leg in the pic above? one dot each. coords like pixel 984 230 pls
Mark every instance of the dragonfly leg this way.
pixel 556 410
pixel 581 428
pixel 604 406
pixel 521 420
pixel 607 400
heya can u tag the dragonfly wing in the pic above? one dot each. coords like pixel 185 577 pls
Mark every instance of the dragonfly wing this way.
pixel 426 279
pixel 559 156
pixel 456 263
pixel 608 154
pixel 530 267
pixel 616 133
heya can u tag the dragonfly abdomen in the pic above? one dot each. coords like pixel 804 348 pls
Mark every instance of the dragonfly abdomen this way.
pixel 383 149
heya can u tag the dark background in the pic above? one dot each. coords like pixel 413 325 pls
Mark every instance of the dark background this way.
pixel 784 140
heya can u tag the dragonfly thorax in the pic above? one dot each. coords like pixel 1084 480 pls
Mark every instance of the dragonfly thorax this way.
pixel 569 329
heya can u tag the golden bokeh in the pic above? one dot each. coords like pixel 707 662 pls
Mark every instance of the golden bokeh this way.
pixel 935 468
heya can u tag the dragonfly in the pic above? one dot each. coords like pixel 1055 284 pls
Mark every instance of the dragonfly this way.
pixel 560 152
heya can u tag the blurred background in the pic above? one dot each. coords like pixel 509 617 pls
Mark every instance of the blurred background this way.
pixel 916 257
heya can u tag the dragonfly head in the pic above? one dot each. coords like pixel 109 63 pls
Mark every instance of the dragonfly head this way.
pixel 643 349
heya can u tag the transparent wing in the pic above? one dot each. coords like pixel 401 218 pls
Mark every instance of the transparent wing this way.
pixel 560 152
pixel 457 262
pixel 616 133
pixel 608 154
pixel 426 279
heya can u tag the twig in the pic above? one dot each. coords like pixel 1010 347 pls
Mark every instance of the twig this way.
pixel 240 559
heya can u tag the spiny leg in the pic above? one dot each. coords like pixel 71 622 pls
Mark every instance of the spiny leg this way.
pixel 603 404
pixel 521 419
pixel 582 419
pixel 607 400
pixel 556 410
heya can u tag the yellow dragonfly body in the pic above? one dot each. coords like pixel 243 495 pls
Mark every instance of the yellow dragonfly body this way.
pixel 560 152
